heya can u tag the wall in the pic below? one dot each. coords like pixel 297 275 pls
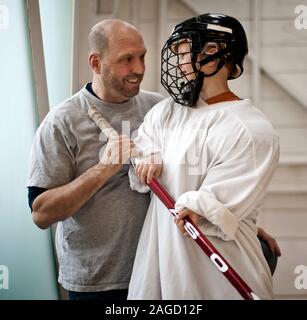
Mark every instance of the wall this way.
pixel 57 31
pixel 24 249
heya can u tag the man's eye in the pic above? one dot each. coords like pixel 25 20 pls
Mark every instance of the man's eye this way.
pixel 126 60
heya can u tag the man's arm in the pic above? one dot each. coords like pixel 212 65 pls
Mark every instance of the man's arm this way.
pixel 33 193
pixel 62 202
pixel 272 243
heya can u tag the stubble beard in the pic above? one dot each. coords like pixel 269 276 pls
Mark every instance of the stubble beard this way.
pixel 120 86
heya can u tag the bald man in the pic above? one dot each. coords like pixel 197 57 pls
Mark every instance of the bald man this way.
pixel 75 177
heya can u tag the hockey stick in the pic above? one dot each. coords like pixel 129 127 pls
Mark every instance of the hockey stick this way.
pixel 189 226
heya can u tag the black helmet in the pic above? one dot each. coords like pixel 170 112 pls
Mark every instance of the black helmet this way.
pixel 225 32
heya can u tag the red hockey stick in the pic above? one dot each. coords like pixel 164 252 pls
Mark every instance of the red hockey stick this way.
pixel 189 226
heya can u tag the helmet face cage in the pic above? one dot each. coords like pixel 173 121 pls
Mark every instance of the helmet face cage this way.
pixel 177 83
pixel 182 78
pixel 184 86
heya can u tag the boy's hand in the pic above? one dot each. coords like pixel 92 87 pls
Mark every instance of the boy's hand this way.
pixel 186 213
pixel 148 168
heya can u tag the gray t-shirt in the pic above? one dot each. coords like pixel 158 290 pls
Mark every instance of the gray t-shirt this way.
pixel 96 246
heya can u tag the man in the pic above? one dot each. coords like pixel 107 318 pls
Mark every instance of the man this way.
pixel 87 193
pixel 235 151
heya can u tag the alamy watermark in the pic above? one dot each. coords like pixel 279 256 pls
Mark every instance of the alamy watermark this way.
pixel 4 17
pixel 4 277
pixel 300 21
pixel 300 281
pixel 188 151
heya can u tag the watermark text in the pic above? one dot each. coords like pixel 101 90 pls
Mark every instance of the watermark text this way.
pixel 300 21
pixel 4 277
pixel 300 281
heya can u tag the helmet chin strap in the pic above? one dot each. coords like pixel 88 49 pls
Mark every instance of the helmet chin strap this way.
pixel 190 92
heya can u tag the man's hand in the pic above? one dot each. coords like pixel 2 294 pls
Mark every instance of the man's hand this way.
pixel 270 241
pixel 118 151
pixel 182 214
pixel 148 168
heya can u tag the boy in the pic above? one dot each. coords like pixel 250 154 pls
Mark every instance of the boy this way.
pixel 219 153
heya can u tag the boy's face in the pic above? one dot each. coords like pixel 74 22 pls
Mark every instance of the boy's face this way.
pixel 184 59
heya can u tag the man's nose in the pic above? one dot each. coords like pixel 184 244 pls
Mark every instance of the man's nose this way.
pixel 139 66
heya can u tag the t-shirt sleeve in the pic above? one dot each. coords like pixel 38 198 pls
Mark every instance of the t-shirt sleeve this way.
pixel 51 158
pixel 236 180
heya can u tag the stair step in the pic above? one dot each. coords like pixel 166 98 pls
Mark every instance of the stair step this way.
pixel 293 160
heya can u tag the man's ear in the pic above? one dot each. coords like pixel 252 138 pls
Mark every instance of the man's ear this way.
pixel 94 60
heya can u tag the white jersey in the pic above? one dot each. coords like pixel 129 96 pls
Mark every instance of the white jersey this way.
pixel 217 161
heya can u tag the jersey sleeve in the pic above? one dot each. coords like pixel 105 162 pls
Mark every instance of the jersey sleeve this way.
pixel 147 141
pixel 236 179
